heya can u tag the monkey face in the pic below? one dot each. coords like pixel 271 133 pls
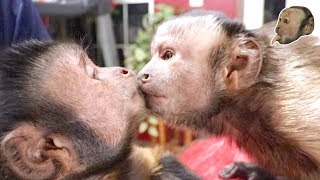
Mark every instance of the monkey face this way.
pixel 195 63
pixel 106 98
pixel 288 26
pixel 172 79
pixel 69 118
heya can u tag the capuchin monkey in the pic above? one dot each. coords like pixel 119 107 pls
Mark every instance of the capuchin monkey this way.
pixel 62 117
pixel 209 73
pixel 293 22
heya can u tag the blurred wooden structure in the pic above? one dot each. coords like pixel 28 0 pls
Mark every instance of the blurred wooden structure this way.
pixel 169 138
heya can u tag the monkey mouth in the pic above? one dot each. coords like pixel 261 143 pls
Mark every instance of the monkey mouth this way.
pixel 151 94
pixel 147 93
pixel 275 38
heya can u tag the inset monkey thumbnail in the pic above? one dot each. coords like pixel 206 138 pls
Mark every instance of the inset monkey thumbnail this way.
pixel 293 22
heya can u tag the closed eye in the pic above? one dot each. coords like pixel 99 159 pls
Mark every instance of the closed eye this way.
pixel 94 74
pixel 90 69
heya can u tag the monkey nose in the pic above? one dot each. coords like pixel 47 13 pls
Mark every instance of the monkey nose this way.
pixel 145 78
pixel 122 71
pixel 125 72
pixel 106 73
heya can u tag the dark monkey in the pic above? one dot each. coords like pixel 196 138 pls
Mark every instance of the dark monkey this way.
pixel 209 73
pixel 62 117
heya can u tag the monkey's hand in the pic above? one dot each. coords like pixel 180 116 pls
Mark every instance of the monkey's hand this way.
pixel 274 39
pixel 172 169
pixel 246 171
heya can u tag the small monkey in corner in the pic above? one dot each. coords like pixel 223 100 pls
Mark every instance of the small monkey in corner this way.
pixel 210 73
pixel 293 22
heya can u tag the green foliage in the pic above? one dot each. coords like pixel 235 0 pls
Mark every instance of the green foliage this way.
pixel 139 52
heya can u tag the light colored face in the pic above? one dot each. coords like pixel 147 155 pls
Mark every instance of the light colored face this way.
pixel 178 81
pixel 288 26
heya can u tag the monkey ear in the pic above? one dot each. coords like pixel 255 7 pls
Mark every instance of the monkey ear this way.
pixel 245 64
pixel 309 26
pixel 30 155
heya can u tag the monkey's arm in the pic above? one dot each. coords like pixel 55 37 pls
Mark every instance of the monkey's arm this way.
pixel 152 163
pixel 171 168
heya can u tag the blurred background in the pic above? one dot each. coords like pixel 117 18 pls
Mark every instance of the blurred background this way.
pixel 118 33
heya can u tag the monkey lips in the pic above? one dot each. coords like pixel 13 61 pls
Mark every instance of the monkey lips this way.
pixel 151 97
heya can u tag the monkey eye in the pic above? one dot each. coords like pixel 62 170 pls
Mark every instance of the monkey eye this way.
pixel 286 21
pixel 167 55
pixel 92 71
pixel 89 68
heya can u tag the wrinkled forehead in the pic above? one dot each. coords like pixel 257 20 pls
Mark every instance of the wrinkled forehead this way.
pixel 67 54
pixel 186 30
pixel 64 76
pixel 292 14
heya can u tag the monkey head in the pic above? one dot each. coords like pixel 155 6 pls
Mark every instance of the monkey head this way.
pixel 292 23
pixel 195 57
pixel 209 73
pixel 61 115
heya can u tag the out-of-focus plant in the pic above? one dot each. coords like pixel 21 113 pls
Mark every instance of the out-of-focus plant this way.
pixel 139 52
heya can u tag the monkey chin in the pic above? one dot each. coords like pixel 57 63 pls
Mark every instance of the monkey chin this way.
pixel 174 112
pixel 156 105
pixel 152 104
pixel 181 118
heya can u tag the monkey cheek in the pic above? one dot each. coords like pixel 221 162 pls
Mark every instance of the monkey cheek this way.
pixel 128 87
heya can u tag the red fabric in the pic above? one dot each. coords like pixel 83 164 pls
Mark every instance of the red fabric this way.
pixel 208 157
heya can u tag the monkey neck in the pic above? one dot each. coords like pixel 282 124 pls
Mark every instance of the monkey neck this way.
pixel 249 122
